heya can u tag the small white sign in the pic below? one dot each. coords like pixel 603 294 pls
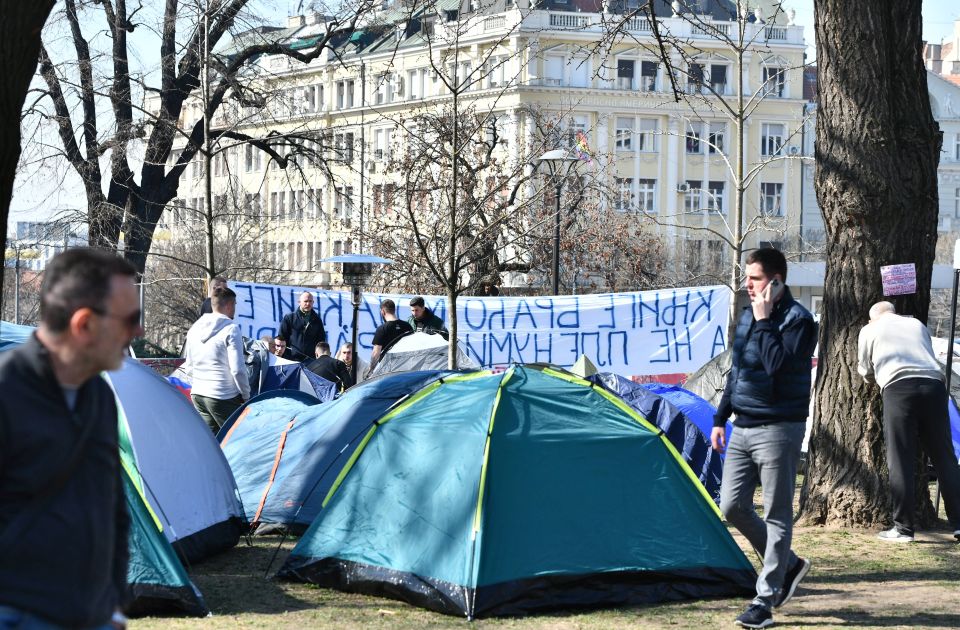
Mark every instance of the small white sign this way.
pixel 899 279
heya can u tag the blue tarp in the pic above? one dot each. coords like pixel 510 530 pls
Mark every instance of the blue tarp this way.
pixel 285 451
pixel 680 424
pixel 954 427
pixel 13 334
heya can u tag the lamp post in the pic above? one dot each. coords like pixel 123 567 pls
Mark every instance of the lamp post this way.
pixel 356 271
pixel 560 163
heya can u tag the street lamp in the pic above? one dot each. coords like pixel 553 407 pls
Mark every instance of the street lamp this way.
pixel 356 271
pixel 560 163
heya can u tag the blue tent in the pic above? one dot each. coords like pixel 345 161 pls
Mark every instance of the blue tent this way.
pixel 696 409
pixel 298 377
pixel 13 334
pixel 286 448
pixel 508 493
pixel 954 426
pixel 680 429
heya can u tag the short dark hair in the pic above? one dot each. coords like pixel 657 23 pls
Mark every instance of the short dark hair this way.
pixel 222 296
pixel 323 347
pixel 771 260
pixel 389 306
pixel 417 301
pixel 78 278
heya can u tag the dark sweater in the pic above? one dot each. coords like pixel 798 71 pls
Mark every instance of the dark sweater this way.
pixel 769 379
pixel 70 564
pixel 302 332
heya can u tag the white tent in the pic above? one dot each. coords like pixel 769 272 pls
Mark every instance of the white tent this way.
pixel 420 351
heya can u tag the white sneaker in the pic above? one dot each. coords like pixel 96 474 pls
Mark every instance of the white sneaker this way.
pixel 894 535
pixel 956 534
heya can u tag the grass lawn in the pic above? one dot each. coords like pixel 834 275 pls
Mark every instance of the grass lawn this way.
pixel 856 581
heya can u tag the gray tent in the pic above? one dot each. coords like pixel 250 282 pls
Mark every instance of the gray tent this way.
pixel 420 351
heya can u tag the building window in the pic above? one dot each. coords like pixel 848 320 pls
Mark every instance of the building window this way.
pixel 956 203
pixel 774 81
pixel 691 198
pixel 956 147
pixel 695 78
pixel 337 248
pixel 715 251
pixel 771 140
pixel 716 138
pixel 576 127
pixel 252 159
pixel 770 245
pixel 647 195
pixel 647 138
pixel 381 143
pixel 771 199
pixel 648 76
pixel 553 70
pixel 715 192
pixel 693 255
pixel 718 78
pixel 624 194
pixel 694 134
pixel 624 134
pixel 625 72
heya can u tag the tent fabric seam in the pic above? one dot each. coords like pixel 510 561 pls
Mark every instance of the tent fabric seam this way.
pixel 273 471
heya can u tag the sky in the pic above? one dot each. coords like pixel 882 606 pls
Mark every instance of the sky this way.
pixel 37 199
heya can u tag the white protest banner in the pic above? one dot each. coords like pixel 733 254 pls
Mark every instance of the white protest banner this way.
pixel 899 279
pixel 640 333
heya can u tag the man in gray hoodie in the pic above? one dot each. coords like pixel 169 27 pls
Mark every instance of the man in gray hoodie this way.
pixel 215 361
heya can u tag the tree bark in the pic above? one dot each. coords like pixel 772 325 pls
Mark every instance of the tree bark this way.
pixel 20 26
pixel 877 148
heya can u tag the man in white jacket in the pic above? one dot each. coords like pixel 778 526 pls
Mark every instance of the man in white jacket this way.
pixel 214 358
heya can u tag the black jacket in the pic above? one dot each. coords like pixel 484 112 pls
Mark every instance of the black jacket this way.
pixel 769 379
pixel 302 333
pixel 70 564
pixel 334 370
pixel 429 324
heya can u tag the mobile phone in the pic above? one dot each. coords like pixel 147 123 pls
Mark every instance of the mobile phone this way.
pixel 776 289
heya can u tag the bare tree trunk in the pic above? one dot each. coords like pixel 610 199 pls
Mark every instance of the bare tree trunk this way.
pixel 20 25
pixel 877 150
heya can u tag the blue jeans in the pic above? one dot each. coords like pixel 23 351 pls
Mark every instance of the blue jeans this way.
pixel 766 455
pixel 16 619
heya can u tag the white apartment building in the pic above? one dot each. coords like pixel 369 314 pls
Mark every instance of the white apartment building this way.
pixel 669 163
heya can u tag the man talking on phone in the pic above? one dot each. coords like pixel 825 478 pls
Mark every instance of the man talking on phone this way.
pixel 768 388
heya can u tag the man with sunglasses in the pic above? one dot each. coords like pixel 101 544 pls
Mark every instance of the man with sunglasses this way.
pixel 60 474
pixel 215 361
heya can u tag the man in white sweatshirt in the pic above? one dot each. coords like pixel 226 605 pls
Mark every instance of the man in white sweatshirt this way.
pixel 214 358
pixel 895 352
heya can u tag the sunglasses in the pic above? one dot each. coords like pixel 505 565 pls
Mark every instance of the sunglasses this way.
pixel 130 321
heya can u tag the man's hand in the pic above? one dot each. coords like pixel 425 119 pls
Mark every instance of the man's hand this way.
pixel 718 438
pixel 763 304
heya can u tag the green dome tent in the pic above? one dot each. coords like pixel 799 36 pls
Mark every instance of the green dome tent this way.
pixel 157 581
pixel 498 494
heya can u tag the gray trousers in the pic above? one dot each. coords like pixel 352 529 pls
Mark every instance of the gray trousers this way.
pixel 915 413
pixel 766 455
pixel 215 411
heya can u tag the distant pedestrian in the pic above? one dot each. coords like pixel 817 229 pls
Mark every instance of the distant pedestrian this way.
pixel 219 282
pixel 63 516
pixel 334 370
pixel 389 331
pixel 895 352
pixel 425 320
pixel 215 361
pixel 302 329
pixel 348 356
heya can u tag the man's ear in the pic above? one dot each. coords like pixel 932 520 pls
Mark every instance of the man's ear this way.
pixel 81 322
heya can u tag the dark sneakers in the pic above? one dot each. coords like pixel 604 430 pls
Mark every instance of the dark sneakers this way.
pixel 791 580
pixel 756 616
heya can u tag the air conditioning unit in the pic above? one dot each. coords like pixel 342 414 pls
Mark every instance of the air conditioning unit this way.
pixel 683 187
pixel 371 166
pixel 794 150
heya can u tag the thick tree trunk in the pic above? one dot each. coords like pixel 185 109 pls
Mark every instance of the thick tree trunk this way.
pixel 877 150
pixel 20 25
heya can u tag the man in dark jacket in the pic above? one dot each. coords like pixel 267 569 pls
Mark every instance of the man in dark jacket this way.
pixel 334 370
pixel 768 387
pixel 63 516
pixel 423 319
pixel 302 329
